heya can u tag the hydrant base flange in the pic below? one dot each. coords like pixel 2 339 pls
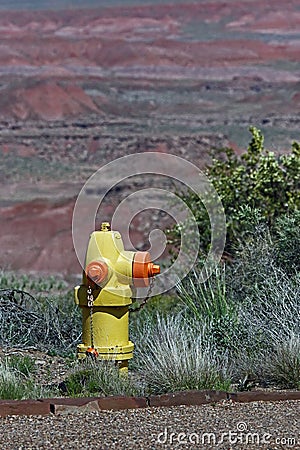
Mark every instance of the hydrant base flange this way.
pixel 118 353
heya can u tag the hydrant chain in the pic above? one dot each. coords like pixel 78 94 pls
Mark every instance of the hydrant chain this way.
pixel 90 301
pixel 144 302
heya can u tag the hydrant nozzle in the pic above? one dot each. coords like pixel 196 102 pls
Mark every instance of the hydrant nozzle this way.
pixel 97 271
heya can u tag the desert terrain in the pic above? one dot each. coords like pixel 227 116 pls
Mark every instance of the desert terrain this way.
pixel 82 87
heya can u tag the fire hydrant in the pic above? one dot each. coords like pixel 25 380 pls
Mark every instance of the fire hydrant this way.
pixel 105 295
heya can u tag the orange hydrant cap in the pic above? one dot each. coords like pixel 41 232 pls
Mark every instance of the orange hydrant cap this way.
pixel 97 271
pixel 143 268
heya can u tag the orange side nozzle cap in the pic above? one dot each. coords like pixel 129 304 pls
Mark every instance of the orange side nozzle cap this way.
pixel 97 271
pixel 143 268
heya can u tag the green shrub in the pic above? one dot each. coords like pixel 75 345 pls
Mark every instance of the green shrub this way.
pixel 10 386
pixel 22 365
pixel 101 378
pixel 174 355
pixel 254 263
pixel 211 303
pixel 258 178
pixel 283 365
pixel 33 284
pixel 251 307
pixel 16 382
pixel 46 323
pixel 269 314
pixel 286 232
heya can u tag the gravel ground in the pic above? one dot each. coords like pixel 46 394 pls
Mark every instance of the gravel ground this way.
pixel 259 425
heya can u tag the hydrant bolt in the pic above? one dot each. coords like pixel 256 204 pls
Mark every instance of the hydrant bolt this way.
pixel 153 269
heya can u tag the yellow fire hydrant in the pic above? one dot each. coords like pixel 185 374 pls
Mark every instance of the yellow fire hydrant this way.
pixel 105 295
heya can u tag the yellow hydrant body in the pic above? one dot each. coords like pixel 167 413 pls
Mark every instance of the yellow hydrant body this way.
pixel 105 295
